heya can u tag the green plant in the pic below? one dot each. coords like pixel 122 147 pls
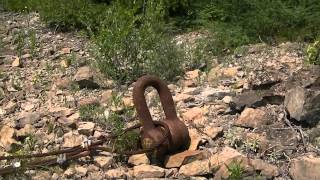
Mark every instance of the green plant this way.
pixel 91 112
pixel 72 59
pixel 313 53
pixel 32 42
pixel 128 46
pixel 236 170
pixel 233 137
pixel 126 141
pixel 252 145
pixel 30 142
pixel 20 41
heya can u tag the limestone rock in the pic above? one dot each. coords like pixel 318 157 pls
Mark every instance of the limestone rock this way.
pixel 10 107
pixel 88 101
pixel 7 140
pixel 84 78
pixel 70 121
pixel 16 62
pixel 218 159
pixel 138 159
pixel 25 131
pixel 227 99
pixel 306 167
pixel 103 161
pixel 182 158
pixel 27 106
pixel 86 128
pixel 253 99
pixel 27 118
pixel 211 94
pixel 81 171
pixel 60 111
pixel 303 104
pixel 193 74
pixel 148 171
pixel 65 50
pixel 64 63
pixel 217 73
pixel 106 97
pixel 63 83
pixel 194 115
pixel 195 139
pixel 116 173
pixel 127 101
pixel 196 168
pixel 71 139
pixel 252 118
pixel 69 172
pixel 213 132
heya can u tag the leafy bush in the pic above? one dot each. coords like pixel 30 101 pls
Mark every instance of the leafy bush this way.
pixel 61 14
pixel 313 53
pixel 129 45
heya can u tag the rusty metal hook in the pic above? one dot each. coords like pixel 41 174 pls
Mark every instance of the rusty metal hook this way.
pixel 178 138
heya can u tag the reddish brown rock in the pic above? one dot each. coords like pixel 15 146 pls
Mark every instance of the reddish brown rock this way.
pixel 192 74
pixel 252 118
pixel 182 158
pixel 138 159
pixel 194 115
pixel 196 168
pixel 213 132
pixel 148 171
pixel 307 167
pixel 7 140
pixel 88 101
pixel 195 139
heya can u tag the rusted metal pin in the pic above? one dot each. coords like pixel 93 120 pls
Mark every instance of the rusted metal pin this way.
pixel 178 138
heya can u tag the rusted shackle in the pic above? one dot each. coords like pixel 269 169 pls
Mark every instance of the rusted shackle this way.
pixel 152 133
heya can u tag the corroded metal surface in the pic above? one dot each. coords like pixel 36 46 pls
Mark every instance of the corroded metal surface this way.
pixel 178 138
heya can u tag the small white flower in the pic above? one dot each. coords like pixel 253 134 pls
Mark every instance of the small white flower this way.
pixel 61 158
pixel 17 164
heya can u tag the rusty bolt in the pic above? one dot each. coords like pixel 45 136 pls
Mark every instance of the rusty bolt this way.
pixel 153 133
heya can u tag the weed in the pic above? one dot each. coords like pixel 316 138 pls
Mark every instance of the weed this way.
pixel 20 42
pixel 2 75
pixel 50 127
pixel 37 80
pixel 236 170
pixel 74 87
pixel 1 45
pixel 30 142
pixel 313 53
pixel 116 100
pixel 126 141
pixel 252 145
pixel 233 137
pixel 48 67
pixel 91 112
pixel 32 42
pixel 72 59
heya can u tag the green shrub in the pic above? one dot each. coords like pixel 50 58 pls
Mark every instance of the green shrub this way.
pixel 62 14
pixel 313 53
pixel 236 170
pixel 92 112
pixel 130 45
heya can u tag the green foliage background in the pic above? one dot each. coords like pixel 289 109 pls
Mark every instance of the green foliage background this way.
pixel 135 37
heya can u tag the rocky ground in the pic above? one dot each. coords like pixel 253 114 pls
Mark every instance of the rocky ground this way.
pixel 254 114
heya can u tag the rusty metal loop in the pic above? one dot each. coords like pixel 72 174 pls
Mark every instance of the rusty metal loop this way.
pixel 139 99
